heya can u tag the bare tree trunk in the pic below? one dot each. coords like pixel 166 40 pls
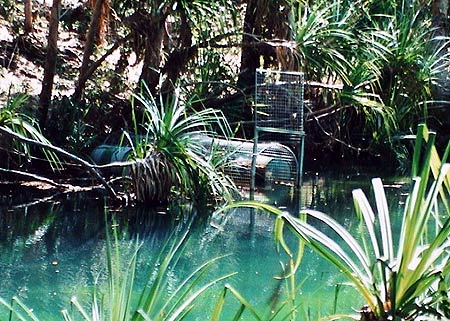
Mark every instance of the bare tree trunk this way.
pixel 249 54
pixel 440 10
pixel 103 20
pixel 45 96
pixel 28 17
pixel 152 57
pixel 89 48
pixel 264 20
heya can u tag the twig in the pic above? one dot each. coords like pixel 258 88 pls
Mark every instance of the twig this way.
pixel 39 201
pixel 35 177
pixel 316 84
pixel 316 118
pixel 88 166
pixel 324 112
pixel 94 65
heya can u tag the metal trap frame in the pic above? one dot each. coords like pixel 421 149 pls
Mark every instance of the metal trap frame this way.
pixel 274 163
pixel 279 116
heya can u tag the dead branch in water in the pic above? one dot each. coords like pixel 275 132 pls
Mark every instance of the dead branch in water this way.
pixel 86 165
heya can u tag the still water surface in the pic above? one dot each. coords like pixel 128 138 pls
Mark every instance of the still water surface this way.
pixel 53 251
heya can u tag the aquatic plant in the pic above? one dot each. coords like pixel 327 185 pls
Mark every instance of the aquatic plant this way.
pixel 167 154
pixel 153 301
pixel 399 279
pixel 123 299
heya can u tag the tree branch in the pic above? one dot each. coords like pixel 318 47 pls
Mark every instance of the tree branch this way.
pixel 88 166
pixel 34 177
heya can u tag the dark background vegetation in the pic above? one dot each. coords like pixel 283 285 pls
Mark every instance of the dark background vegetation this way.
pixel 375 69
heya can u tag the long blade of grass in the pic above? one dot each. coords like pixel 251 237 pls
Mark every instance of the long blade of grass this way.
pixel 415 220
pixel 244 302
pixel 29 312
pixel 188 301
pixel 326 246
pixel 66 315
pixel 364 210
pixel 332 252
pixel 435 161
pixel 405 246
pixel 187 285
pixel 417 150
pixel 217 311
pixel 385 222
pixel 434 250
pixel 14 311
pixel 81 310
pixel 344 235
pixel 122 304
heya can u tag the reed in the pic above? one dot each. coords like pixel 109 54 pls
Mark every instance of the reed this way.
pixel 121 298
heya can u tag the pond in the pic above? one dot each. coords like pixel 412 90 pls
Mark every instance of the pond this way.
pixel 52 251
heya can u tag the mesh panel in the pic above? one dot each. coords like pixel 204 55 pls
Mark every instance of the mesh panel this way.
pixel 275 163
pixel 279 104
pixel 278 115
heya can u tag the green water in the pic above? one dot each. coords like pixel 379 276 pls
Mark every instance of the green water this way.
pixel 50 252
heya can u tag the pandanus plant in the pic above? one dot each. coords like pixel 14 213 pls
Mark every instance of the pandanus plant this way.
pixel 168 156
pixel 14 121
pixel 404 278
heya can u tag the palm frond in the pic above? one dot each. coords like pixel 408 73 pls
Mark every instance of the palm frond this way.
pixel 19 122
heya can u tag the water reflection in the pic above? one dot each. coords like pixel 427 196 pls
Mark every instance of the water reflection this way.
pixel 51 251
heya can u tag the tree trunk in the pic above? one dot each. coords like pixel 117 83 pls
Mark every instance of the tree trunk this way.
pixel 179 57
pixel 28 27
pixel 45 96
pixel 103 20
pixel 440 10
pixel 89 48
pixel 249 54
pixel 150 73
pixel 264 20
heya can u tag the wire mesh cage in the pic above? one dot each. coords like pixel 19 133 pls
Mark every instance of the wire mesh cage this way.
pixel 278 116
pixel 278 110
pixel 278 106
pixel 275 163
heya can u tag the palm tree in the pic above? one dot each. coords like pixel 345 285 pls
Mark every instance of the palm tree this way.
pixel 440 10
pixel 149 27
pixel 264 20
